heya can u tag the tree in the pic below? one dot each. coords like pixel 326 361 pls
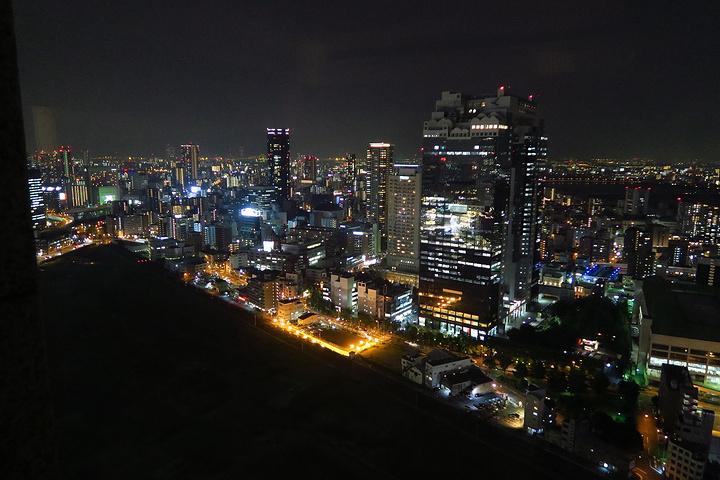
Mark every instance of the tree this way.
pixel 505 361
pixel 490 362
pixel 576 380
pixel 600 382
pixel 521 371
pixel 538 370
pixel 630 392
pixel 556 381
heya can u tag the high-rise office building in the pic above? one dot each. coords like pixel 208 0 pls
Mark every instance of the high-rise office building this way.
pixel 190 154
pixel 638 253
pixel 483 158
pixel 65 156
pixel 378 165
pixel 636 201
pixel 403 220
pixel 700 221
pixel 278 155
pixel 37 202
pixel 310 167
pixel 77 193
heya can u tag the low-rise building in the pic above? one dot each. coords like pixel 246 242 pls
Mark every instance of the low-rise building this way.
pixel 439 362
pixel 685 460
pixel 471 380
pixel 341 291
pixel 308 318
pixel 679 324
pixel 574 436
pixel 688 427
pixel 391 302
pixel 539 410
pixel 289 310
pixel 262 289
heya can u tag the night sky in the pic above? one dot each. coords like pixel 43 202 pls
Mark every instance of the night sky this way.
pixel 615 79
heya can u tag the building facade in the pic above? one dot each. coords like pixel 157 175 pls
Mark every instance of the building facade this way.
pixel 483 158
pixel 638 252
pixel 190 155
pixel 37 201
pixel 278 157
pixel 403 222
pixel 378 166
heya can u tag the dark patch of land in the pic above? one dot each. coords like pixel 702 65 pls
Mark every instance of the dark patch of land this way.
pixel 154 379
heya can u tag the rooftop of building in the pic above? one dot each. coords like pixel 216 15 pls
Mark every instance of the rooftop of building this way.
pixel 472 374
pixel 289 302
pixel 683 310
pixel 441 357
pixel 675 376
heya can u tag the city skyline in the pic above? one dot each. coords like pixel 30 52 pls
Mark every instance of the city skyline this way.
pixel 620 81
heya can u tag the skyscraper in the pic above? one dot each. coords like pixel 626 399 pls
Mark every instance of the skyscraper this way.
pixel 403 220
pixel 189 160
pixel 636 201
pixel 378 165
pixel 483 157
pixel 637 250
pixel 66 158
pixel 278 154
pixel 37 202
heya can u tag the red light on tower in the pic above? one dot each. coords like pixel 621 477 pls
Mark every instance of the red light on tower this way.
pixel 443 159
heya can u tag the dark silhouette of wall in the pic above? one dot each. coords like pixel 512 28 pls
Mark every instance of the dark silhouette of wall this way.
pixel 26 444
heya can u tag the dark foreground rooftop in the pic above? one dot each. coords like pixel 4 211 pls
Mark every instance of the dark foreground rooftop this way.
pixel 683 310
pixel 152 379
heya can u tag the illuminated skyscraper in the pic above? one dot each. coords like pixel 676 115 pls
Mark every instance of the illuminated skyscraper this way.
pixel 378 165
pixel 37 202
pixel 403 221
pixel 483 157
pixel 189 159
pixel 637 251
pixel 278 155
pixel 65 156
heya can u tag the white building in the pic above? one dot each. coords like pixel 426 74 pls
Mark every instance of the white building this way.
pixel 403 222
pixel 289 310
pixel 538 411
pixel 440 362
pixel 341 292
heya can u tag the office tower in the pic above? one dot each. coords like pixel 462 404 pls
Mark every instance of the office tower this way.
pixel 638 254
pixel 310 167
pixel 378 165
pixel 278 156
pixel 708 271
pixel 65 156
pixel 169 153
pixel 403 221
pixel 679 249
pixel 350 173
pixel 190 154
pixel 483 157
pixel 636 201
pixel 37 202
pixel 700 221
pixel 77 193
